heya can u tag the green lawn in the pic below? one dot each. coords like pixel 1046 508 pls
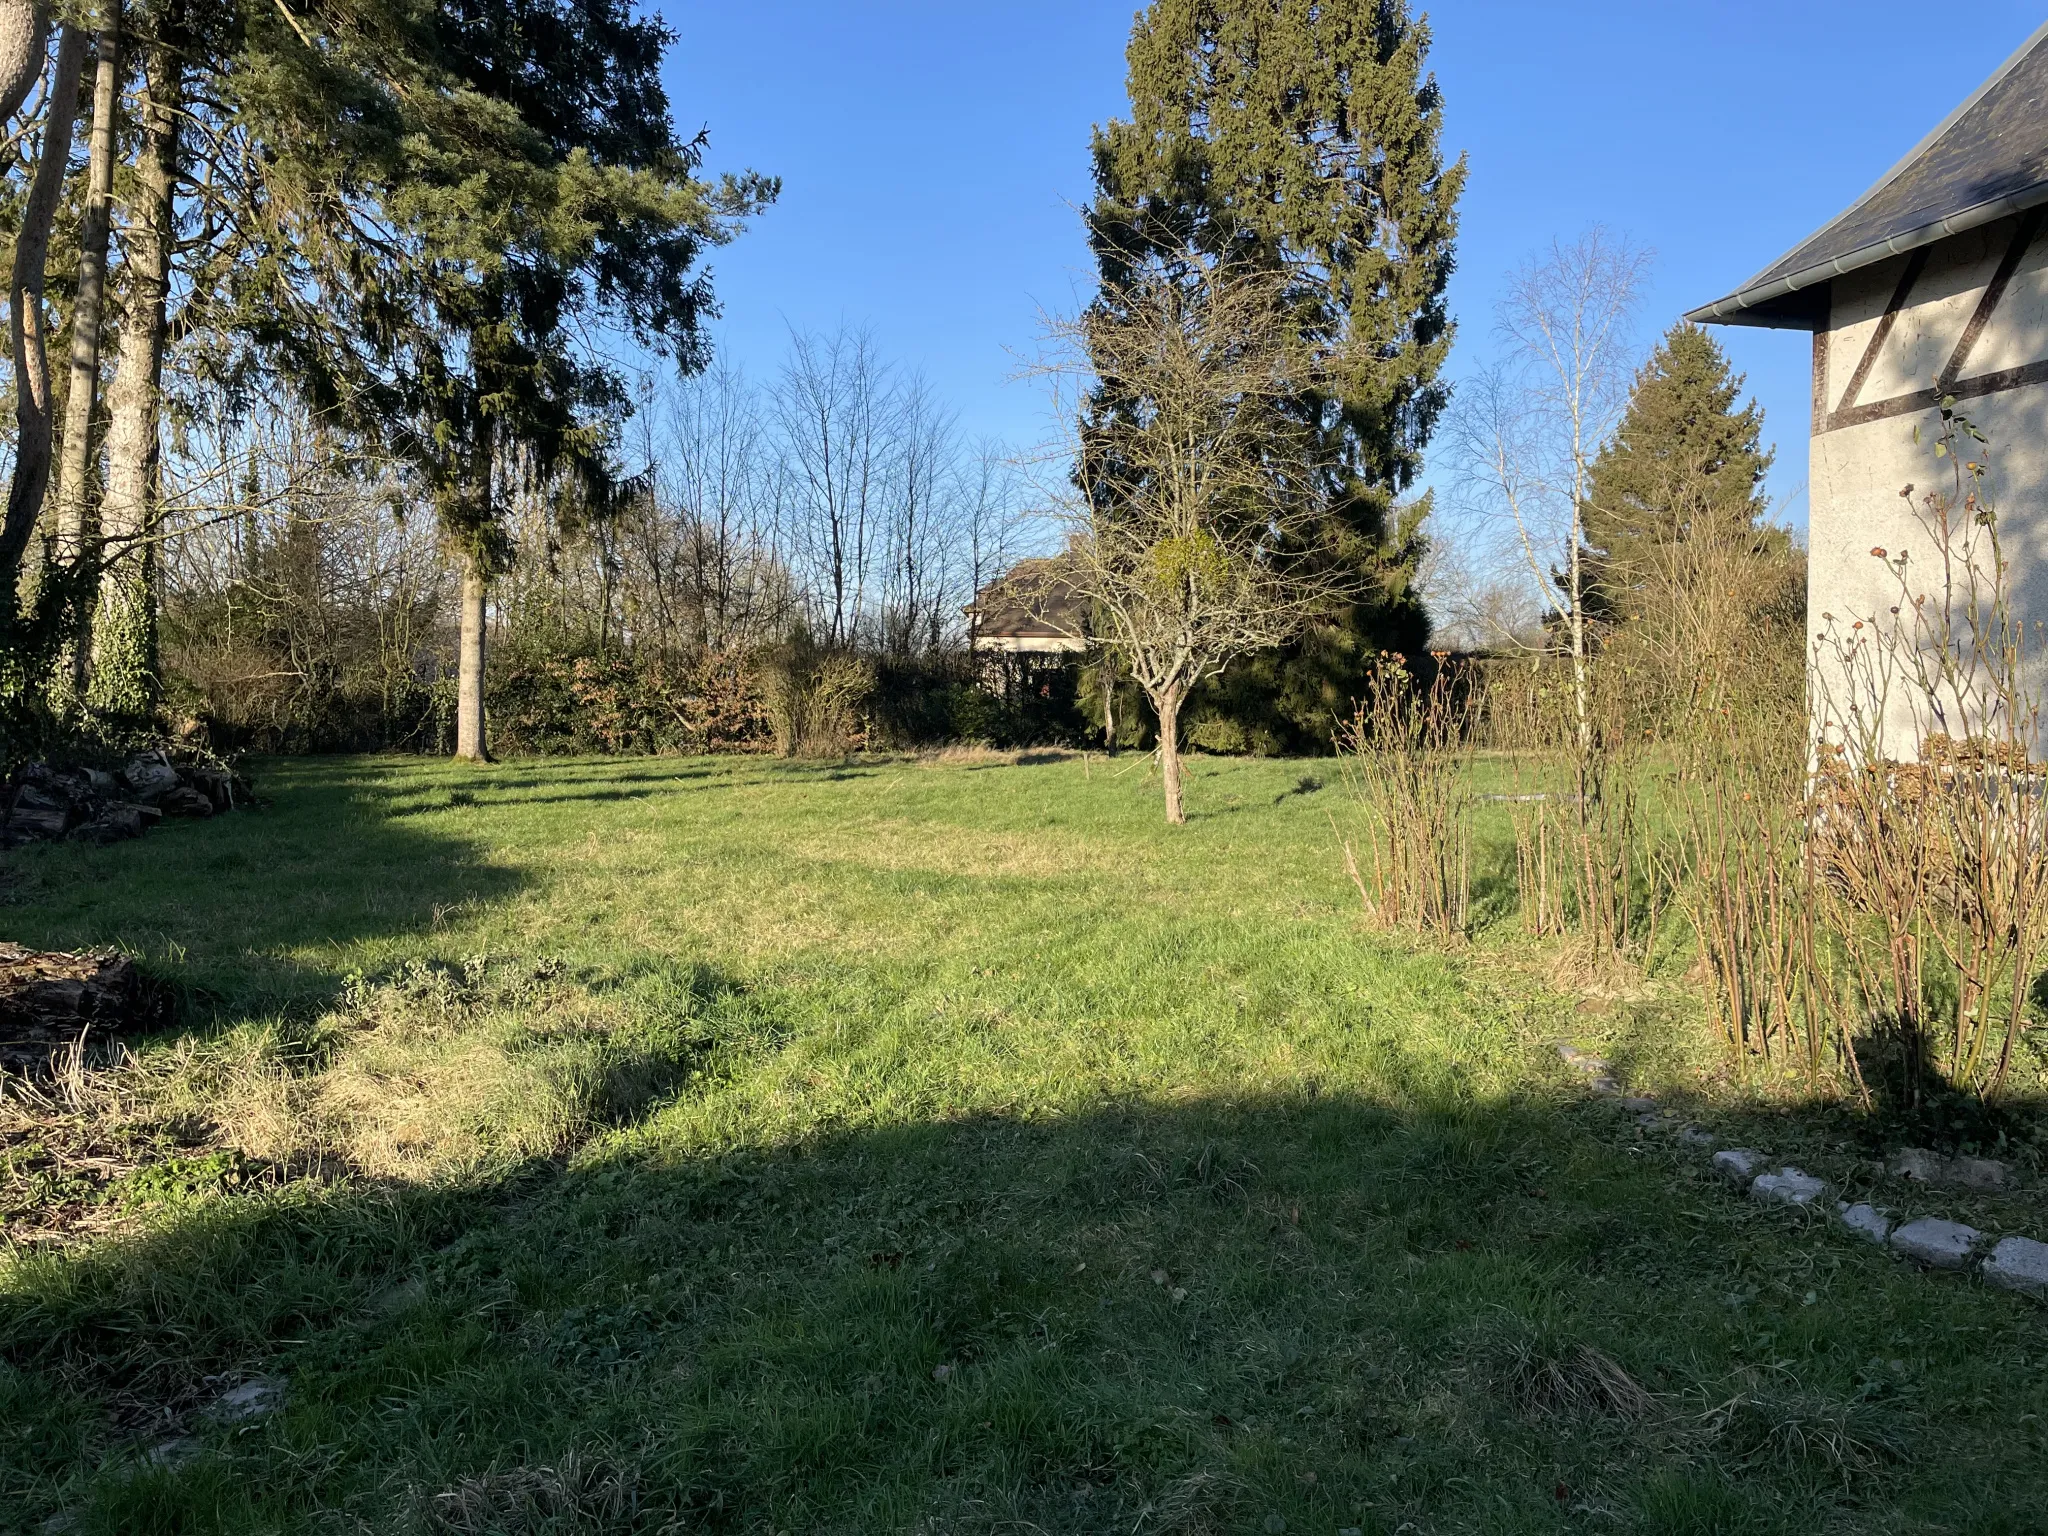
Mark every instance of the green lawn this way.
pixel 752 1146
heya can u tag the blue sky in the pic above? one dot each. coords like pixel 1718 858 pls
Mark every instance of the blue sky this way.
pixel 933 155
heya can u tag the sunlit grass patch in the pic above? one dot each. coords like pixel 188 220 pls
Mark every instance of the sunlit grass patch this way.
pixel 895 1145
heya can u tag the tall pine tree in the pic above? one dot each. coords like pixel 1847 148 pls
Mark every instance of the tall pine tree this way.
pixel 1685 462
pixel 1304 136
pixel 435 225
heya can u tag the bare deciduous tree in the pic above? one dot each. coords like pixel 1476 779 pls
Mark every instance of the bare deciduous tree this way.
pixel 1478 602
pixel 992 517
pixel 887 522
pixel 1525 433
pixel 829 403
pixel 1192 530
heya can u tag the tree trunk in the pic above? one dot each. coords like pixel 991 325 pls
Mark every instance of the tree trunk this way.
pixel 81 401
pixel 1109 706
pixel 124 671
pixel 469 683
pixel 26 321
pixel 1167 705
pixel 74 470
pixel 24 36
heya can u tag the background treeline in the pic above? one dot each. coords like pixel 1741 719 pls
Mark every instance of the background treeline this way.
pixel 270 266
pixel 792 570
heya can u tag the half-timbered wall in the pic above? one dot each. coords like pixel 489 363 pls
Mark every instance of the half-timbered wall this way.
pixel 1966 317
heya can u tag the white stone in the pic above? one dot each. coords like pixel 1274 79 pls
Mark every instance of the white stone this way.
pixel 1866 1221
pixel 1739 1164
pixel 1697 1136
pixel 1789 1186
pixel 1975 1173
pixel 1916 1164
pixel 1936 1243
pixel 2019 1264
pixel 251 1400
pixel 1924 1167
pixel 171 1453
pixel 1639 1106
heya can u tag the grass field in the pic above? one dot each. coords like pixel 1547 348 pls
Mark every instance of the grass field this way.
pixel 738 1145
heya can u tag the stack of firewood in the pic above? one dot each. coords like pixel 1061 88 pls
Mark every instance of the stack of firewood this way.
pixel 41 803
pixel 52 1003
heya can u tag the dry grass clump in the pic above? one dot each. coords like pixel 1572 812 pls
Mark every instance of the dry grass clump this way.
pixel 1544 1381
pixel 1409 756
pixel 436 1071
pixel 1199 1504
pixel 573 1496
pixel 428 1072
pixel 1794 1432
pixel 1589 865
pixel 816 697
pixel 975 755
pixel 1860 869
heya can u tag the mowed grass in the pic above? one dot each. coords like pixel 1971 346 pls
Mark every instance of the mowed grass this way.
pixel 734 1145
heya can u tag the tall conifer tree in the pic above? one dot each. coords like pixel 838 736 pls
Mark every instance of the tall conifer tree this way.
pixel 1684 453
pixel 430 223
pixel 1305 136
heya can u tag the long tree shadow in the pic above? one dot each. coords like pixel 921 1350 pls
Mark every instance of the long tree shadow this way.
pixel 262 909
pixel 1297 1313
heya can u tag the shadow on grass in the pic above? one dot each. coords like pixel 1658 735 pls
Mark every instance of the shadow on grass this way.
pixel 266 910
pixel 1298 1314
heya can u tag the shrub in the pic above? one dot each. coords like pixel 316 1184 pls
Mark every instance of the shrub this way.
pixel 816 697
pixel 639 700
pixel 1409 757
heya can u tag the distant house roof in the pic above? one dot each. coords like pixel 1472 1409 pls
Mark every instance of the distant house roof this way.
pixel 1988 160
pixel 1034 601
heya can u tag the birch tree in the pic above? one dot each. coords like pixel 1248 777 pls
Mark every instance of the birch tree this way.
pixel 1528 431
pixel 830 405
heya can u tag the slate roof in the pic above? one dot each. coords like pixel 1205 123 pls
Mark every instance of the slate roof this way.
pixel 1988 160
pixel 1035 601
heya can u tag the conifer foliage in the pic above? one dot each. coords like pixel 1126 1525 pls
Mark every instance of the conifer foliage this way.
pixel 1685 463
pixel 1304 137
pixel 434 229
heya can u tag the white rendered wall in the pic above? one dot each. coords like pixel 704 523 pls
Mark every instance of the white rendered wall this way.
pixel 1859 470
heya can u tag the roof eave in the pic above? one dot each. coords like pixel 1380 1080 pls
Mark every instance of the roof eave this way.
pixel 1759 305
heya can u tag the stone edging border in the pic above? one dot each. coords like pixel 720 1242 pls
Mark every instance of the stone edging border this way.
pixel 2013 1263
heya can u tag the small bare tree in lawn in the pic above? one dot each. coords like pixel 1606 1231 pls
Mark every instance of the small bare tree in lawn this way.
pixel 1194 512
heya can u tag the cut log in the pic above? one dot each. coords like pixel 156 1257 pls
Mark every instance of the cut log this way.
pixel 186 801
pixel 50 1002
pixel 29 824
pixel 115 824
